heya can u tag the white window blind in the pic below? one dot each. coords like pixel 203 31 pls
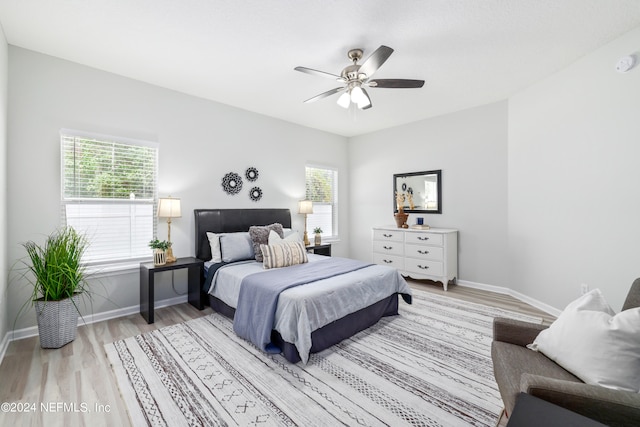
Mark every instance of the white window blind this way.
pixel 322 190
pixel 109 194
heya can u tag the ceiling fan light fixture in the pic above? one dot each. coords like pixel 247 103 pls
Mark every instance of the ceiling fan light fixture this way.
pixel 344 100
pixel 357 95
pixel 364 103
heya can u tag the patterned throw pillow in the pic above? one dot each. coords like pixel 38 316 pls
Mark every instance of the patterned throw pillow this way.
pixel 260 236
pixel 283 254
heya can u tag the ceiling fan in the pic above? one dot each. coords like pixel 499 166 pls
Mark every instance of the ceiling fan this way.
pixel 355 77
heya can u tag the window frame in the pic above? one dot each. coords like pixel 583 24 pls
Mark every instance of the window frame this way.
pixel 113 263
pixel 335 235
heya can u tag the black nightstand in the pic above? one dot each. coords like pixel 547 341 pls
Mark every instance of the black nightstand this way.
pixel 320 249
pixel 147 271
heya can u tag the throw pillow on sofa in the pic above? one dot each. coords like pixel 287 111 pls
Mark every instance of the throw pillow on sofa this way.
pixel 592 342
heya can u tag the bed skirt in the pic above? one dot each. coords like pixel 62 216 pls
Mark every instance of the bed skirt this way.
pixel 329 334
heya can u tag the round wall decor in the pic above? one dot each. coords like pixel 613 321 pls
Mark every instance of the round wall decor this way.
pixel 232 183
pixel 255 194
pixel 251 174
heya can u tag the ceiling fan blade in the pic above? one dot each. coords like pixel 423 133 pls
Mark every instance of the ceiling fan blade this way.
pixel 365 105
pixel 376 60
pixel 396 83
pixel 326 94
pixel 318 73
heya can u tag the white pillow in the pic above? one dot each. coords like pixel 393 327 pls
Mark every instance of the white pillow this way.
pixel 594 344
pixel 214 242
pixel 275 239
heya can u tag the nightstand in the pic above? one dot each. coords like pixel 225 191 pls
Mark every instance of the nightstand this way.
pixel 147 271
pixel 320 249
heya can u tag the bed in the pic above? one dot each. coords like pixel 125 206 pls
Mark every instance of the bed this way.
pixel 311 317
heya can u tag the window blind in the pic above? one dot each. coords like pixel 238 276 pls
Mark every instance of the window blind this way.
pixel 322 190
pixel 109 194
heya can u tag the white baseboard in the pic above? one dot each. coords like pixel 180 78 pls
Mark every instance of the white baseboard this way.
pixel 32 331
pixel 121 312
pixel 502 290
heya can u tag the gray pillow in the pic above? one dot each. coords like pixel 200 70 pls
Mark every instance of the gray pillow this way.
pixel 236 247
pixel 260 236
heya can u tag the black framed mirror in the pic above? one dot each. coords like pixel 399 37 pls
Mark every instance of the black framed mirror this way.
pixel 418 192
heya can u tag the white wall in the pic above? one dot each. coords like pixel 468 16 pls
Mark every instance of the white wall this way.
pixel 199 141
pixel 4 71
pixel 471 149
pixel 574 177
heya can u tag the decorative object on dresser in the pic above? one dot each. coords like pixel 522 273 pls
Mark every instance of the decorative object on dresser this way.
pixel 305 207
pixel 169 207
pixel 421 192
pixel 400 216
pixel 419 254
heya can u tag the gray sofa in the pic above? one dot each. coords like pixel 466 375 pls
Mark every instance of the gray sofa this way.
pixel 516 369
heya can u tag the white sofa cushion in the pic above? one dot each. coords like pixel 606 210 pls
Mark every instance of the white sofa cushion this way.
pixel 592 342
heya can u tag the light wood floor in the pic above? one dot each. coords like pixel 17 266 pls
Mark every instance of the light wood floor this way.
pixel 74 385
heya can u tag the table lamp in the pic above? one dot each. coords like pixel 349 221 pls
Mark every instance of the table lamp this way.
pixel 169 207
pixel 305 207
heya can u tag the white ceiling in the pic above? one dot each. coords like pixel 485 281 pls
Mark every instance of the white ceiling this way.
pixel 242 53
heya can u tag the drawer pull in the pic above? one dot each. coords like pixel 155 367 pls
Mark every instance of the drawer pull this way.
pixel 420 251
pixel 423 238
pixel 387 261
pixel 387 247
pixel 387 235
pixel 424 267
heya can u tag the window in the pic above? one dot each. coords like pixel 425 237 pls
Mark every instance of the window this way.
pixel 322 190
pixel 109 194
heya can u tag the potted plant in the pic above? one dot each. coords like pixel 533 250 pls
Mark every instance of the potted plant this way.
pixel 59 279
pixel 159 251
pixel 318 236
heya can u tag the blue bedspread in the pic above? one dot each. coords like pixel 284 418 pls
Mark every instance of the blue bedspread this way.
pixel 259 293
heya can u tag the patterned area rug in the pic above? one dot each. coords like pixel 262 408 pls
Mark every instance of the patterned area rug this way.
pixel 429 366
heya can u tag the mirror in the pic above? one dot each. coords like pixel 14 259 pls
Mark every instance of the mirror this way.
pixel 422 191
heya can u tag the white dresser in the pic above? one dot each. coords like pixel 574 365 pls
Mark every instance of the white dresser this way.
pixel 421 254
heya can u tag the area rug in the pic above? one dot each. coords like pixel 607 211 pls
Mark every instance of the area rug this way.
pixel 428 366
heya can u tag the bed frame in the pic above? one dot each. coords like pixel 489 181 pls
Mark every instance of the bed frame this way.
pixel 234 220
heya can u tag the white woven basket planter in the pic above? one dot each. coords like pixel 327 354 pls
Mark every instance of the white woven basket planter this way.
pixel 57 321
pixel 159 257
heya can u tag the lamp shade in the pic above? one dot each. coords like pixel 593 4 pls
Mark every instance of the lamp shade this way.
pixel 169 207
pixel 305 207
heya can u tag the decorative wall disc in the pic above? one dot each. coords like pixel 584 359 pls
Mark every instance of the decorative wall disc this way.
pixel 255 194
pixel 232 183
pixel 251 174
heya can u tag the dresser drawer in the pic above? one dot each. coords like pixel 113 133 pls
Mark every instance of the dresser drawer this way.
pixel 388 248
pixel 435 253
pixel 388 235
pixel 424 238
pixel 394 261
pixel 432 268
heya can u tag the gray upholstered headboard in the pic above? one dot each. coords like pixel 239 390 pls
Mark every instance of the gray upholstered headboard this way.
pixel 232 220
